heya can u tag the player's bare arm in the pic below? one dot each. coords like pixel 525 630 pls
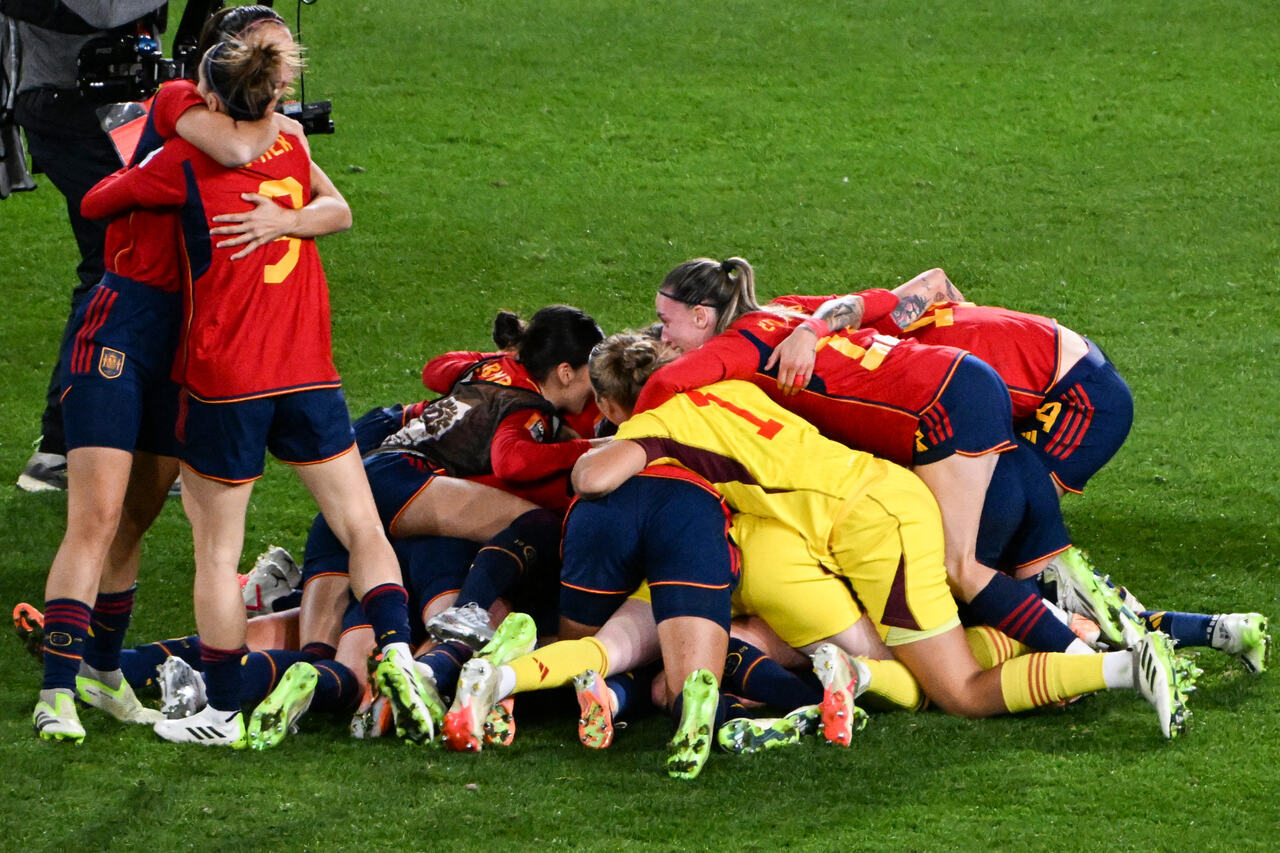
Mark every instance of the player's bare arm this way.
pixel 916 295
pixel 795 356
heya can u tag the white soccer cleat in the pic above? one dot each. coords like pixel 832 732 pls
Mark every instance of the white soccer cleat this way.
pixel 1164 680
pixel 1083 591
pixel 1243 635
pixel 120 701
pixel 477 694
pixel 274 575
pixel 208 727
pixel 55 717
pixel 182 689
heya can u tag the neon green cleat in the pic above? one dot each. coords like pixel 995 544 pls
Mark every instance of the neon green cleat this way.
pixel 744 736
pixel 691 745
pixel 120 701
pixel 397 678
pixel 1082 590
pixel 1245 636
pixel 516 636
pixel 55 717
pixel 278 714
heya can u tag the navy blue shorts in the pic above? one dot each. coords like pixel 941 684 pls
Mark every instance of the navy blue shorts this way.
pixel 228 441
pixel 396 479
pixel 1083 421
pixel 375 425
pixel 1021 517
pixel 972 416
pixel 672 533
pixel 116 390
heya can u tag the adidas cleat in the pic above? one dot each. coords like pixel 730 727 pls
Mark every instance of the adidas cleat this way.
pixel 477 694
pixel 843 680
pixel 744 736
pixel 468 624
pixel 44 472
pixel 516 636
pixel 1082 590
pixel 274 575
pixel 808 719
pixel 1241 634
pixel 55 717
pixel 595 704
pixel 278 714
pixel 397 678
pixel 207 727
pixel 1164 680
pixel 182 689
pixel 691 745
pixel 28 624
pixel 120 701
pixel 500 725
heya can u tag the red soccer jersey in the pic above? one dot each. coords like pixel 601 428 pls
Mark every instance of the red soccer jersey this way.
pixel 143 244
pixel 257 326
pixel 1025 349
pixel 868 390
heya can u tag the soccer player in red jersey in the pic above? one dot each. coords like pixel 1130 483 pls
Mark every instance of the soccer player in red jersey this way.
pixel 119 407
pixel 248 388
pixel 937 410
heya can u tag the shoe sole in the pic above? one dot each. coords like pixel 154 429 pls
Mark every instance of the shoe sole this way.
pixel 412 722
pixel 500 725
pixel 1104 603
pixel 747 737
pixel 839 713
pixel 28 624
pixel 595 720
pixel 277 715
pixel 692 744
pixel 31 484
pixel 516 636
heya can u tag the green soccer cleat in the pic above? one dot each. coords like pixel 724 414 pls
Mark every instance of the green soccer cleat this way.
pixel 516 636
pixel 1245 636
pixel 744 736
pixel 397 678
pixel 691 745
pixel 1083 591
pixel 55 717
pixel 808 719
pixel 119 701
pixel 278 714
pixel 595 718
pixel 1164 679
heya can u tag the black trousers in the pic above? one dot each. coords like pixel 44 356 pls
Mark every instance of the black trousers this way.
pixel 74 164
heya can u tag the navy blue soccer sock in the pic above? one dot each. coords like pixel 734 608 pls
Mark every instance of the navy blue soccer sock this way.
pixel 260 672
pixel 141 664
pixel 752 674
pixel 222 676
pixel 1186 629
pixel 446 662
pixel 337 690
pixel 111 614
pixel 66 627
pixel 531 541
pixel 386 606
pixel 1005 604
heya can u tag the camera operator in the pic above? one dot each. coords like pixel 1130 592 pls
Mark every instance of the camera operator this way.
pixel 68 144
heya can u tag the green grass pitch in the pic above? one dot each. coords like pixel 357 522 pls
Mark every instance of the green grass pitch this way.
pixel 1108 163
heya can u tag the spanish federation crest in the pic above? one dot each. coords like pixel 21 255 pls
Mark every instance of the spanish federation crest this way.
pixel 111 363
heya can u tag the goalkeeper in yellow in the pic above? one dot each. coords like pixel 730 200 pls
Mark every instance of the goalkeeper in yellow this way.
pixel 866 519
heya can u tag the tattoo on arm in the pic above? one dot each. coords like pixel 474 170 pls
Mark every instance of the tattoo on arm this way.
pixel 843 313
pixel 910 307
pixel 950 293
